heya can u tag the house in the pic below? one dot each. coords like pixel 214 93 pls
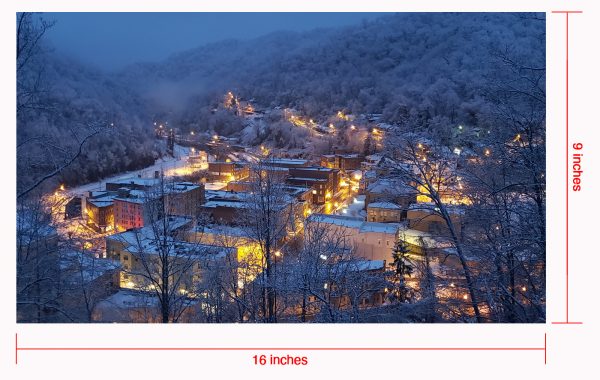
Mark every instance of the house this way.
pixel 384 212
pixel 370 161
pixel 391 190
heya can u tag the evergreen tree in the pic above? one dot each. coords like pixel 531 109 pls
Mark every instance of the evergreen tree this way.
pixel 402 266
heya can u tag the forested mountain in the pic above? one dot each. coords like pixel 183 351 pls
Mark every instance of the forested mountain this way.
pixel 398 64
pixel 429 71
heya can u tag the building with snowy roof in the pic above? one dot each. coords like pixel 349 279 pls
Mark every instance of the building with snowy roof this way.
pixel 98 210
pixel 371 240
pixel 392 190
pixel 384 212
pixel 322 181
pixel 342 161
pixel 141 253
pixel 135 208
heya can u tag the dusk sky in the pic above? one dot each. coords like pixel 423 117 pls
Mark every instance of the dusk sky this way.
pixel 113 40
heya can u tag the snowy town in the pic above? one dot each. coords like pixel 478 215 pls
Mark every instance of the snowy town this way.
pixel 295 216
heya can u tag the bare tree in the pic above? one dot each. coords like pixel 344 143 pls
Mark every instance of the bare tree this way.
pixel 38 266
pixel 229 287
pixel 268 217
pixel 431 171
pixel 41 155
pixel 87 277
pixel 158 260
pixel 333 282
pixel 508 188
pixel 31 29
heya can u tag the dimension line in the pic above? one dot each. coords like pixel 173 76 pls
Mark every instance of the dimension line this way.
pixel 17 348
pixel 567 168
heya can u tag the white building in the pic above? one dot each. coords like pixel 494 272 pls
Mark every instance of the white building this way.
pixel 372 241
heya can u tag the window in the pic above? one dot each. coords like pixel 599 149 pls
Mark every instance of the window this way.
pixel 378 242
pixel 125 257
